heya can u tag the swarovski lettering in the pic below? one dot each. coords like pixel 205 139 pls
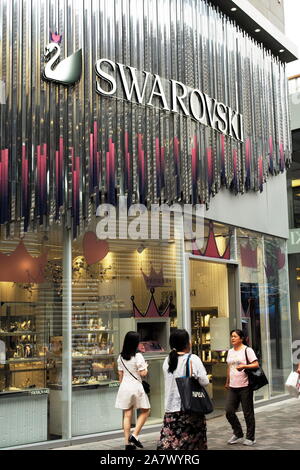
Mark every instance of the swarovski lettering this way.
pixel 151 90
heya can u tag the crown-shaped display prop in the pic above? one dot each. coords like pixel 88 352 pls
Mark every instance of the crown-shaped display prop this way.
pixel 21 267
pixel 152 309
pixel 155 279
pixel 211 250
pixel 54 37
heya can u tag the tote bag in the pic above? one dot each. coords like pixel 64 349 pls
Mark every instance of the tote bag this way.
pixel 256 377
pixel 292 384
pixel 194 397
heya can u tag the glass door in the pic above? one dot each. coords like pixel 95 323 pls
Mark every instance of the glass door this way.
pixel 213 313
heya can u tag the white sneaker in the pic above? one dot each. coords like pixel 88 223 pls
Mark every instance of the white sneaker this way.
pixel 235 440
pixel 247 442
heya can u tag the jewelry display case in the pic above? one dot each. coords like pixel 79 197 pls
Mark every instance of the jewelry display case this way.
pixel 95 349
pixel 23 351
pixel 94 345
pixel 23 373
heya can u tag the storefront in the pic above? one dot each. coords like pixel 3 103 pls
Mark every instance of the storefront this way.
pixel 166 104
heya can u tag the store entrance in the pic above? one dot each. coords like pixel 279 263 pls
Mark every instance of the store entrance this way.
pixel 213 307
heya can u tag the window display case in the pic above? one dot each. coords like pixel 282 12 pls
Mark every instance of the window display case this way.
pixel 94 350
pixel 23 356
pixel 23 373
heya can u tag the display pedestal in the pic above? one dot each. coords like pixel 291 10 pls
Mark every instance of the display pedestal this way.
pixel 93 410
pixel 25 417
pixel 157 392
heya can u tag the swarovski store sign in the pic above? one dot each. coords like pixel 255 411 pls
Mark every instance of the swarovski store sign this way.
pixel 191 102
pixel 163 104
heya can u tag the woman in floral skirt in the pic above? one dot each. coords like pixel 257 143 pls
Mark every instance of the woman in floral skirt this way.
pixel 181 431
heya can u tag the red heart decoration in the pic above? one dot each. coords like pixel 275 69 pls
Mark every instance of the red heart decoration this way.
pixel 94 250
pixel 280 259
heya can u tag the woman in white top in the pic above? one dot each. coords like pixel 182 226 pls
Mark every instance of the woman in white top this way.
pixel 239 391
pixel 181 431
pixel 131 367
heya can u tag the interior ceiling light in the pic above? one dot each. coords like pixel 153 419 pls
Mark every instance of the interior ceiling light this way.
pixel 257 30
pixel 141 248
pixel 233 9
pixel 281 50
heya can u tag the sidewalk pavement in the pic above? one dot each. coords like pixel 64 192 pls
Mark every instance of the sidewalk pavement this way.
pixel 277 428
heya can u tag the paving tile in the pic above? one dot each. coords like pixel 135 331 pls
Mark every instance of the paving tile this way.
pixel 277 428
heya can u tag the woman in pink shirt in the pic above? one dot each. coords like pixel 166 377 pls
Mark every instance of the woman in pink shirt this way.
pixel 239 391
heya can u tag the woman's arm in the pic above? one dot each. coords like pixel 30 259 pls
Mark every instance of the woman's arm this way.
pixel 142 365
pixel 121 375
pixel 253 365
pixel 200 371
pixel 228 377
pixel 143 373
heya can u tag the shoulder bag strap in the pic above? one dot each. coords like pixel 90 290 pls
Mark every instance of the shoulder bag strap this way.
pixel 128 370
pixel 246 356
pixel 187 368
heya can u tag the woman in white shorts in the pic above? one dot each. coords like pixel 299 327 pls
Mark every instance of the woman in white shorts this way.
pixel 132 367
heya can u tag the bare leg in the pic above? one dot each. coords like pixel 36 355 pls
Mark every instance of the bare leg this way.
pixel 127 423
pixel 141 421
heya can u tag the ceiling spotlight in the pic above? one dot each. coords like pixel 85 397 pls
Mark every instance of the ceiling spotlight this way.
pixel 281 50
pixel 233 9
pixel 257 30
pixel 141 248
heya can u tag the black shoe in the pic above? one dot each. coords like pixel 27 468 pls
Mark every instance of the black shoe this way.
pixel 135 441
pixel 130 447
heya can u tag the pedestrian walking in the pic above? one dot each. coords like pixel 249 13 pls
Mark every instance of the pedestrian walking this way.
pixel 239 391
pixel 181 430
pixel 132 367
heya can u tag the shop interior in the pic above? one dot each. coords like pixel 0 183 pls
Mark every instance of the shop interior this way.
pixel 209 302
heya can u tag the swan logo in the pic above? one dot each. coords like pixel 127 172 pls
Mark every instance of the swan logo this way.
pixel 65 72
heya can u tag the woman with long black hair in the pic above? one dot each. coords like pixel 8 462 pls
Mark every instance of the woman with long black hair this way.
pixel 239 391
pixel 181 430
pixel 132 367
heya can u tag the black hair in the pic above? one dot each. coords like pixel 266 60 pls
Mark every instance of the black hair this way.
pixel 179 341
pixel 130 345
pixel 241 334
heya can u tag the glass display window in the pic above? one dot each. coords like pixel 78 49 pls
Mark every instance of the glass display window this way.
pixel 30 317
pixel 104 281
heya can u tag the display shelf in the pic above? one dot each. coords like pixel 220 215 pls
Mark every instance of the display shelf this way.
pixel 25 359
pixel 24 392
pixel 18 333
pixel 96 356
pixel 104 383
pixel 79 332
pixel 201 341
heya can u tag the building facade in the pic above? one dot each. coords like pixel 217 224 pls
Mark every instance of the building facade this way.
pixel 134 104
pixel 293 183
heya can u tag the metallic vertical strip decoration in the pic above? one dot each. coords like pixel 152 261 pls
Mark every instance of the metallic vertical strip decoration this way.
pixel 65 149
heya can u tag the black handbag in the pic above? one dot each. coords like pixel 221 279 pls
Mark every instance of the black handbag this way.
pixel 257 378
pixel 194 397
pixel 146 385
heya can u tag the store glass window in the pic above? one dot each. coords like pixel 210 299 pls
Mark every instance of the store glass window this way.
pixel 119 286
pixel 217 241
pixel 253 298
pixel 277 290
pixel 30 337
